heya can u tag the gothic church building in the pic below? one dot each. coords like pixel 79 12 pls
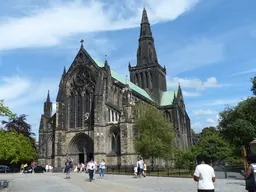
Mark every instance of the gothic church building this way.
pixel 94 108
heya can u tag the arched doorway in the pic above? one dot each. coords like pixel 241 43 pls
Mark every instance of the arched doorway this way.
pixel 81 148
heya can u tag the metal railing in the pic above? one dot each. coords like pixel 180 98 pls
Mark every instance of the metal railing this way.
pixel 158 171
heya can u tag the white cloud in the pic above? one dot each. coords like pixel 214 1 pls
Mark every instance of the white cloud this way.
pixel 197 127
pixel 223 102
pixel 245 72
pixel 216 102
pixel 195 83
pixel 53 108
pixel 26 96
pixel 13 87
pixel 211 121
pixel 50 24
pixel 196 54
pixel 203 112
pixel 191 94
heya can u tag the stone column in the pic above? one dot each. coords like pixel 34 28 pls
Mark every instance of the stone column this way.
pixel 110 112
pixel 145 83
pixel 140 80
pixel 149 80
pixel 83 108
pixel 75 111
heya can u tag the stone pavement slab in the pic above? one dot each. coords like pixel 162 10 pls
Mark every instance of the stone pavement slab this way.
pixel 49 182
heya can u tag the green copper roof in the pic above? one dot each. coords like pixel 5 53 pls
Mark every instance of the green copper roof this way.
pixel 125 81
pixel 167 98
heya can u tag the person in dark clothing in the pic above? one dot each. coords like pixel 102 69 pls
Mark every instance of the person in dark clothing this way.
pixel 250 175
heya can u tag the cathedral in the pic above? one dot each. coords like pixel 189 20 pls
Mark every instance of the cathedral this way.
pixel 94 108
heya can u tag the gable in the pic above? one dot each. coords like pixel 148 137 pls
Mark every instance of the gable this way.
pixel 167 97
pixel 83 58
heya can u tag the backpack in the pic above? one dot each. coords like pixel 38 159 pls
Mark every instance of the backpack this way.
pixel 71 164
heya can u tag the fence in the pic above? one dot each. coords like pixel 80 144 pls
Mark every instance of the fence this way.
pixel 151 171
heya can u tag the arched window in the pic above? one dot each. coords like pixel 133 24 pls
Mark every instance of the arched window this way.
pixel 115 140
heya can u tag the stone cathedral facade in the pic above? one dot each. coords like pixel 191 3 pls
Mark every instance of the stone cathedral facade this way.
pixel 94 108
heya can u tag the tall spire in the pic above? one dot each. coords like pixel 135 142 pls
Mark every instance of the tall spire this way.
pixel 145 30
pixel 144 16
pixel 48 97
pixel 146 53
pixel 48 106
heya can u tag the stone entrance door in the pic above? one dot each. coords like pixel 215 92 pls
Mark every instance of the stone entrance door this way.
pixel 81 148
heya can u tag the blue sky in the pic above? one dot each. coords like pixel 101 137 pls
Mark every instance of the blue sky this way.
pixel 208 46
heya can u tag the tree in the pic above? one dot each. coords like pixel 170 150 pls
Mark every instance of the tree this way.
pixel 18 124
pixel 213 147
pixel 237 125
pixel 253 89
pixel 155 133
pixel 15 147
pixel 186 159
pixel 5 111
pixel 208 131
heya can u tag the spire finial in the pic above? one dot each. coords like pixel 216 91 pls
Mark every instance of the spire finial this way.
pixel 48 97
pixel 126 79
pixel 64 70
pixel 82 42
pixel 106 60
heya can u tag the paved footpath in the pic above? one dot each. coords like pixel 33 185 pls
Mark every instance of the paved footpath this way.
pixel 55 182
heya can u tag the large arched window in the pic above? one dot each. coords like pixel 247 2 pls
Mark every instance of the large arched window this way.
pixel 115 140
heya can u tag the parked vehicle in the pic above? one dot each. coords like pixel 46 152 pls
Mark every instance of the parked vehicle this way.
pixel 5 169
pixel 37 169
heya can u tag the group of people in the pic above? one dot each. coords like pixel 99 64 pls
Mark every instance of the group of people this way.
pixel 91 168
pixel 205 177
pixel 140 169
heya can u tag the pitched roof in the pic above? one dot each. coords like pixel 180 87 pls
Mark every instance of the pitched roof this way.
pixel 167 98
pixel 125 81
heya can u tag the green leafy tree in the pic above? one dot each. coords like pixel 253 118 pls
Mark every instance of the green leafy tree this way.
pixel 155 133
pixel 253 89
pixel 237 124
pixel 208 131
pixel 16 148
pixel 186 159
pixel 211 145
pixel 5 111
pixel 18 124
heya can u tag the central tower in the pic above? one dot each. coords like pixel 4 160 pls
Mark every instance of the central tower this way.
pixel 148 73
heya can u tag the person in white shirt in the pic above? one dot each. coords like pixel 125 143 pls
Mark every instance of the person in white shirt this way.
pixel 204 176
pixel 140 164
pixel 91 167
pixel 135 171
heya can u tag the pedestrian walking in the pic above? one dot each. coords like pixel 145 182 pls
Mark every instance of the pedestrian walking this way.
pixel 250 184
pixel 144 170
pixel 140 166
pixel 67 170
pixel 204 176
pixel 91 168
pixel 102 168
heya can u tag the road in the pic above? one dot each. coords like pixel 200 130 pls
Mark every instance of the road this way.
pixel 55 182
